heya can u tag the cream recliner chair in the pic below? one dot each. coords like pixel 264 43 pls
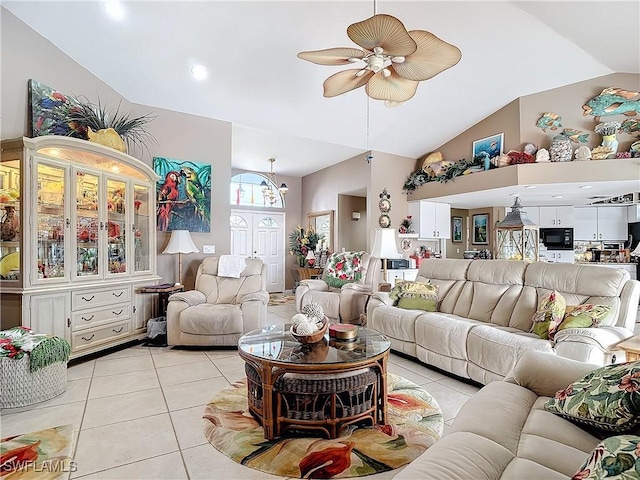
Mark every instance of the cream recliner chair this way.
pixel 345 304
pixel 220 309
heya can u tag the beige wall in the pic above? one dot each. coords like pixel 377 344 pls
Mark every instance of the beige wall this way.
pixel 352 235
pixel 456 250
pixel 506 120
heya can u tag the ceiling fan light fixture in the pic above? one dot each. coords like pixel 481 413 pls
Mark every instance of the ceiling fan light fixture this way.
pixel 403 57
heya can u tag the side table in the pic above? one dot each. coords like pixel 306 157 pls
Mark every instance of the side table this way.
pixel 631 347
pixel 163 291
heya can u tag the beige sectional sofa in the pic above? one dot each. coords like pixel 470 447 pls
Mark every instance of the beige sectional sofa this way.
pixel 485 310
pixel 503 431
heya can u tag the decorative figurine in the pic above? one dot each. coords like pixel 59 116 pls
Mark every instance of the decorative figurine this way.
pixel 542 155
pixel 583 153
pixel 560 150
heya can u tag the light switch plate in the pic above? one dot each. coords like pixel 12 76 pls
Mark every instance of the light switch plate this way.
pixel 208 249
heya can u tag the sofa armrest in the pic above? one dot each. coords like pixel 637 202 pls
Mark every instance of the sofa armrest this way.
pixel 191 298
pixel 356 287
pixel 603 337
pixel 259 296
pixel 314 284
pixel 546 373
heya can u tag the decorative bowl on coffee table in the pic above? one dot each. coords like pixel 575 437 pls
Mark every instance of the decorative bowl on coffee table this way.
pixel 314 337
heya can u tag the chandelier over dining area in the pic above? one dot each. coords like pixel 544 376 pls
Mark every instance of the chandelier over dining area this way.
pixel 268 191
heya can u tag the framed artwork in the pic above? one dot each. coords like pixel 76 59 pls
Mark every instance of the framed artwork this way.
pixel 183 195
pixel 456 229
pixel 492 145
pixel 480 229
pixel 48 112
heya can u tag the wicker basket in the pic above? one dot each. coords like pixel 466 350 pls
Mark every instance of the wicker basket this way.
pixel 21 387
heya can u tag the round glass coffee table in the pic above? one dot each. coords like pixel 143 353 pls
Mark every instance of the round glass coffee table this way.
pixel 319 387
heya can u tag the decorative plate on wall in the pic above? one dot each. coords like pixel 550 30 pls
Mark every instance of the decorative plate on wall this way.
pixel 384 205
pixel 384 221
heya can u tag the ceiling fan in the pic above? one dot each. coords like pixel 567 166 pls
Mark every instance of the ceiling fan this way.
pixel 396 60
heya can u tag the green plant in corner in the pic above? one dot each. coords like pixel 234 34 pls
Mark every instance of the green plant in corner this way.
pixel 89 119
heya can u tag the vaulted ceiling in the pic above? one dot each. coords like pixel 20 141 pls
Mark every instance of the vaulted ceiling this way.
pixel 509 49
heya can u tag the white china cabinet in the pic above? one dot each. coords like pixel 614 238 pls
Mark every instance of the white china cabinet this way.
pixel 82 243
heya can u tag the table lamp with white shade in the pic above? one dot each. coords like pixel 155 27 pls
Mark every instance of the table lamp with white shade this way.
pixel 180 242
pixel 384 247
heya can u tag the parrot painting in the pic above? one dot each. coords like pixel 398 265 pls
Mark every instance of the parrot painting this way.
pixel 167 194
pixel 196 193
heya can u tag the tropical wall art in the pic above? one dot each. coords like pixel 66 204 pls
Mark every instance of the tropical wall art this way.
pixel 48 110
pixel 183 195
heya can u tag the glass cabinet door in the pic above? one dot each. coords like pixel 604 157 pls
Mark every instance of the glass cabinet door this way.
pixel 10 230
pixel 116 226
pixel 141 231
pixel 87 238
pixel 51 221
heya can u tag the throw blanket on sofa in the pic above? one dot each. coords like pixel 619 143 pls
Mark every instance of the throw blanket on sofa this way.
pixel 43 350
pixel 343 268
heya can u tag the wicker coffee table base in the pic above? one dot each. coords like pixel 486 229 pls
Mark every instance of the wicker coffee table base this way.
pixel 322 403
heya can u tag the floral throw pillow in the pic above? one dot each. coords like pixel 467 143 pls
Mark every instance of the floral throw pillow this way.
pixel 415 296
pixel 607 398
pixel 549 315
pixel 584 316
pixel 615 457
pixel 343 268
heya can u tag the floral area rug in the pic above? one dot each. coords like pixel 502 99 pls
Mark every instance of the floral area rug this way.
pixel 415 423
pixel 41 455
pixel 281 299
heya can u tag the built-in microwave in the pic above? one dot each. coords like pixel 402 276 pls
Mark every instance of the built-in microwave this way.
pixel 557 238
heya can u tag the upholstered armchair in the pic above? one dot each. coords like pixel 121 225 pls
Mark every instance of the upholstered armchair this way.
pixel 341 303
pixel 220 309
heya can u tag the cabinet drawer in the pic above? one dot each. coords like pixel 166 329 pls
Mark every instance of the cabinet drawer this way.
pixel 91 298
pixel 86 338
pixel 93 318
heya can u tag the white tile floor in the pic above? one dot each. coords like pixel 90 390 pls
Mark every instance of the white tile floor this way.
pixel 138 411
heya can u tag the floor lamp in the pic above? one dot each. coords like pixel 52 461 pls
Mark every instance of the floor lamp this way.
pixel 180 242
pixel 384 247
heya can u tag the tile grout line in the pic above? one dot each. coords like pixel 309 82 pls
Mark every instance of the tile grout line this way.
pixel 84 412
pixel 173 427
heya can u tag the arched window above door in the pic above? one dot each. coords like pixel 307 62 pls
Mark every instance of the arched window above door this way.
pixel 268 222
pixel 236 221
pixel 246 190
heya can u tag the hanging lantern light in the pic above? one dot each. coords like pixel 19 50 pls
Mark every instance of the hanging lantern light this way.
pixel 517 237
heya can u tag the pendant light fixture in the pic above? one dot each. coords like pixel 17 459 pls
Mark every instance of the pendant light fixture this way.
pixel 270 196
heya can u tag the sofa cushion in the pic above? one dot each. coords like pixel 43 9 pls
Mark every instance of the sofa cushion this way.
pixel 613 458
pixel 497 349
pixel 395 322
pixel 443 333
pixel 607 398
pixel 209 319
pixel 549 315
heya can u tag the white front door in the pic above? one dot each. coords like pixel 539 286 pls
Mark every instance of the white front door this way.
pixel 261 235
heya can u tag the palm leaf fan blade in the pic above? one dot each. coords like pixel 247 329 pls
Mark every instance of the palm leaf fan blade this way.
pixel 393 88
pixel 432 57
pixel 382 31
pixel 331 56
pixel 344 81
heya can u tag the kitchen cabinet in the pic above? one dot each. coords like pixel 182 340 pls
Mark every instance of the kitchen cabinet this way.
pixel 533 214
pixel 550 217
pixel 560 256
pixel 431 220
pixel 633 213
pixel 86 216
pixel 402 275
pixel 600 223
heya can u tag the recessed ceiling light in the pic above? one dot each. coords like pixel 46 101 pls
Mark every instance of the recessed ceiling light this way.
pixel 586 186
pixel 114 9
pixel 199 72
pixel 514 194
pixel 530 186
pixel 557 196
